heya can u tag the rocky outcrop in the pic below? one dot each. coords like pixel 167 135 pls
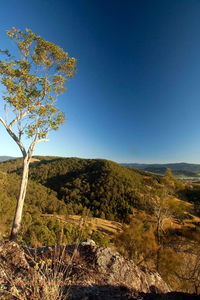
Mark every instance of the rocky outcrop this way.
pixel 87 272
pixel 14 270
pixel 11 254
pixel 96 269
pixel 117 271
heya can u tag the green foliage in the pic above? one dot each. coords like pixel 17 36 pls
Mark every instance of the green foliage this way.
pixel 108 189
pixel 11 166
pixel 41 224
pixel 40 200
pixel 100 239
pixel 100 185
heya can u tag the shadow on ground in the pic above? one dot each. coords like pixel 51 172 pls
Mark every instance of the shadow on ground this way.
pixel 108 292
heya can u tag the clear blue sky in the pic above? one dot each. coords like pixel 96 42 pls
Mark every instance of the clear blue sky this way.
pixel 136 96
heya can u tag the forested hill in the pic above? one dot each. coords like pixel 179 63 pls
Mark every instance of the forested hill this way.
pixel 108 189
pixel 60 188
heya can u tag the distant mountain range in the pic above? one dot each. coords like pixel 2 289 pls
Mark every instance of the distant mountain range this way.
pixel 5 158
pixel 180 170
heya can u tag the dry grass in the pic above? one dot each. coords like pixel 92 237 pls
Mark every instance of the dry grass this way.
pixel 102 225
pixel 44 280
pixel 110 228
pixel 34 160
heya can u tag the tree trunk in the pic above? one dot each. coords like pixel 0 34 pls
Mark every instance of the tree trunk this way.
pixel 158 250
pixel 158 260
pixel 20 202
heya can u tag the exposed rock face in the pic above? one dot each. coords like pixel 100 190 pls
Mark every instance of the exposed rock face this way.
pixel 97 269
pixel 88 272
pixel 116 270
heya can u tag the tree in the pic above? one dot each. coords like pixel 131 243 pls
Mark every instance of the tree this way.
pixel 169 173
pixel 137 241
pixel 32 83
pixel 161 206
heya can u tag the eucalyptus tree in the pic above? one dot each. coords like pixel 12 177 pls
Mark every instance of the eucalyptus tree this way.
pixel 31 83
pixel 162 210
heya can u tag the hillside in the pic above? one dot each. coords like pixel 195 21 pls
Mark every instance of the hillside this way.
pixel 73 186
pixel 149 218
pixel 106 188
pixel 5 158
pixel 39 200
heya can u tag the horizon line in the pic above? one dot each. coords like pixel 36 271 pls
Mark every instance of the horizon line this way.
pixel 134 163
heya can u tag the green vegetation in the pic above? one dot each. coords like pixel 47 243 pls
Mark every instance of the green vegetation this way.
pixel 160 225
pixel 108 189
pixel 40 225
pixel 39 199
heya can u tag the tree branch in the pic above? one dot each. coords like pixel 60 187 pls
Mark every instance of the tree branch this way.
pixel 18 118
pixel 42 140
pixel 15 138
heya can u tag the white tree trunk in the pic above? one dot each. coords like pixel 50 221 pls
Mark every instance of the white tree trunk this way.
pixel 20 201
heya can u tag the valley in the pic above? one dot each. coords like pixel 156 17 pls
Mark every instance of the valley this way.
pixel 149 218
pixel 182 171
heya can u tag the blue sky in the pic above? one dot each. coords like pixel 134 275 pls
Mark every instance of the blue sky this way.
pixel 136 96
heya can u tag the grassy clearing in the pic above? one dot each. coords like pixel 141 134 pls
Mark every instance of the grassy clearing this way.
pixel 107 227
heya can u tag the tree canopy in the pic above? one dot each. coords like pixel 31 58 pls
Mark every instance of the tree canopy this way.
pixel 32 84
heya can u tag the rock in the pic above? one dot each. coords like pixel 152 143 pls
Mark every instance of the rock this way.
pixel 87 272
pixel 14 270
pixel 13 255
pixel 95 270
pixel 116 270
